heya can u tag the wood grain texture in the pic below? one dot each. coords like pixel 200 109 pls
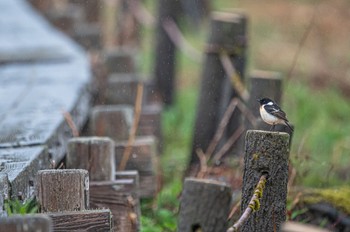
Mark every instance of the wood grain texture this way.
pixel 94 154
pixel 266 152
pixel 122 198
pixel 204 204
pixel 26 223
pixel 144 160
pixel 62 190
pixel 113 121
pixel 90 221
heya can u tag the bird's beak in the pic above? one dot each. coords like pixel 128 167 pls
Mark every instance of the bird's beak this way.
pixel 258 99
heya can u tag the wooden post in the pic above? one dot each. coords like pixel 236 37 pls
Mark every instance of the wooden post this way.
pixel 122 198
pixel 122 89
pixel 266 153
pixel 63 190
pixel 88 35
pixel 165 51
pixel 144 160
pixel 120 60
pixel 227 34
pixel 25 223
pixel 113 121
pixel 204 206
pixel 127 25
pixel 95 154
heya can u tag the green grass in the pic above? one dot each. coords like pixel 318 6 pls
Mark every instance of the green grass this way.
pixel 320 147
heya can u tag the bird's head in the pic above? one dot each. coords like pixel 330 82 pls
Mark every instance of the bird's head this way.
pixel 264 101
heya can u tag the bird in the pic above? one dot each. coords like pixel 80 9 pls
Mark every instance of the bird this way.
pixel 272 114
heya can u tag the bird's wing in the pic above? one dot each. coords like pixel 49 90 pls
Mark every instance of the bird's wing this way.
pixel 276 111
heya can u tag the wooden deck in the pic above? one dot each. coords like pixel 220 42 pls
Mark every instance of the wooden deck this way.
pixel 42 75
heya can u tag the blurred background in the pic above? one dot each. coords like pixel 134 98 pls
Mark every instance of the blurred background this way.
pixel 306 41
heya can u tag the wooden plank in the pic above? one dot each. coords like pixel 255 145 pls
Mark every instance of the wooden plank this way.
pixel 26 223
pixel 120 60
pixel 63 190
pixel 122 198
pixel 301 227
pixel 90 221
pixel 143 159
pixel 122 88
pixel 113 121
pixel 20 165
pixel 28 38
pixel 34 113
pixel 95 154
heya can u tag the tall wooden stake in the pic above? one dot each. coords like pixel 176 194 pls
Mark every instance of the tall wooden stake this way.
pixel 228 35
pixel 266 153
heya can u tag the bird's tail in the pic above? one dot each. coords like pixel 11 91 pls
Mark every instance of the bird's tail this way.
pixel 289 126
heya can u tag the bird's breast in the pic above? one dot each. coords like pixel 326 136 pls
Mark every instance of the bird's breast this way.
pixel 268 118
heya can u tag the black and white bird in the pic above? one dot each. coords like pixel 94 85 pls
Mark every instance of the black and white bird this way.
pixel 272 114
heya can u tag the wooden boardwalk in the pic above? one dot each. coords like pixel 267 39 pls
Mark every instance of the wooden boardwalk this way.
pixel 42 75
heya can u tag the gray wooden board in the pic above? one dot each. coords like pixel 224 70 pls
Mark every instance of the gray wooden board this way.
pixel 26 36
pixel 42 74
pixel 21 166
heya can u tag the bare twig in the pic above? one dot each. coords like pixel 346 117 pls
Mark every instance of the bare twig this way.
pixel 68 117
pixel 203 162
pixel 229 143
pixel 236 81
pixel 221 128
pixel 138 108
pixel 179 40
pixel 141 13
pixel 234 210
pixel 253 205
pixel 301 45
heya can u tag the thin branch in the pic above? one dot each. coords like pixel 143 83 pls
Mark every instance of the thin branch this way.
pixel 231 72
pixel 68 117
pixel 229 143
pixel 141 14
pixel 138 108
pixel 234 210
pixel 247 113
pixel 301 45
pixel 253 205
pixel 179 40
pixel 222 126
pixel 203 162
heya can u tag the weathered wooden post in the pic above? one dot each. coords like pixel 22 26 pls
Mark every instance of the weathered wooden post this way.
pixel 64 196
pixel 227 35
pixel 63 190
pixel 266 153
pixel 122 88
pixel 25 223
pixel 144 159
pixel 113 121
pixel 204 206
pixel 95 154
pixel 120 60
pixel 165 51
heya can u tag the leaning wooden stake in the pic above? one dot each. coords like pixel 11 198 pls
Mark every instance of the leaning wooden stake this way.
pixel 266 153
pixel 227 35
pixel 204 206
pixel 63 190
